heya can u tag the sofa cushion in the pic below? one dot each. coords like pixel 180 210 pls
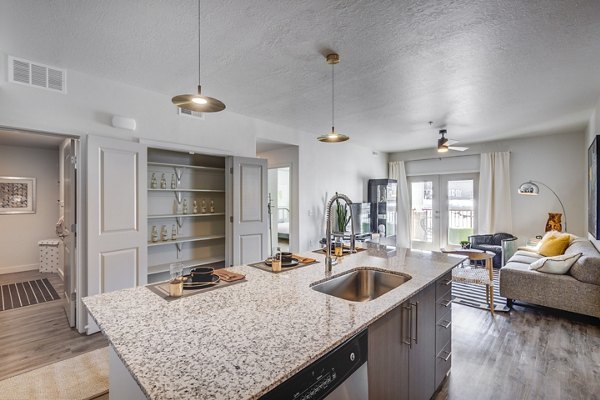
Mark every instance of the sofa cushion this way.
pixel 587 267
pixel 554 246
pixel 524 257
pixel 555 265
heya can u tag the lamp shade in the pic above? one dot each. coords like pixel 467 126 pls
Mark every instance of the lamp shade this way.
pixel 529 188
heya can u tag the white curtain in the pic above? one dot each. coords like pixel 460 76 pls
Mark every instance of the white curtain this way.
pixel 495 213
pixel 397 171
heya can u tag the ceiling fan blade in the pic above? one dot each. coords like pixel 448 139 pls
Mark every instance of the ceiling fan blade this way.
pixel 451 142
pixel 458 148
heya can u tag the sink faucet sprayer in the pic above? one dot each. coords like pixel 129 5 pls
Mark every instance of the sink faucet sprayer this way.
pixel 328 261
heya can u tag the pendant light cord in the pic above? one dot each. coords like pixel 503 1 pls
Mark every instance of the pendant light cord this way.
pixel 199 41
pixel 332 97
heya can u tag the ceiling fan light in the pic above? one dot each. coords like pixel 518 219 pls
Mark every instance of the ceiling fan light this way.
pixel 333 137
pixel 442 149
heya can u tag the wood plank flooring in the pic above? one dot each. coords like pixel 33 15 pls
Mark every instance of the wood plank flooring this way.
pixel 531 353
pixel 38 335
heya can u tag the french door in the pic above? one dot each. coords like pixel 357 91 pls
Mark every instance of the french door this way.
pixel 443 209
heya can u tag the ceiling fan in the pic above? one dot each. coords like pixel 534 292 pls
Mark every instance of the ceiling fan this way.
pixel 445 144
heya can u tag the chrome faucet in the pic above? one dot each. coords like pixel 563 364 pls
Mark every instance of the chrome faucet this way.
pixel 329 263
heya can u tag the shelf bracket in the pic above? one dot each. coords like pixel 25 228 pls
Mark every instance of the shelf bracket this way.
pixel 179 222
pixel 177 196
pixel 178 245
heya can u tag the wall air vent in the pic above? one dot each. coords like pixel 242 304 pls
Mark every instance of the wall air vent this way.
pixel 190 113
pixel 36 75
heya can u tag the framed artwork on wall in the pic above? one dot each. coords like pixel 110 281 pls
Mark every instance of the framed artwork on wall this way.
pixel 593 227
pixel 17 195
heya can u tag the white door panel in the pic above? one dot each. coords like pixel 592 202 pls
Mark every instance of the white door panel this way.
pixel 117 201
pixel 69 242
pixel 249 216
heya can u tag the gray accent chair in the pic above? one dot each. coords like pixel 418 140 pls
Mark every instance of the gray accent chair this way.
pixel 577 291
pixel 503 245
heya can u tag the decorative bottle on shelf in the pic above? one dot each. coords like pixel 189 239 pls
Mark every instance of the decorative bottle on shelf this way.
pixel 203 208
pixel 173 182
pixel 153 182
pixel 185 206
pixel 212 206
pixel 195 207
pixel 173 232
pixel 163 182
pixel 164 234
pixel 154 235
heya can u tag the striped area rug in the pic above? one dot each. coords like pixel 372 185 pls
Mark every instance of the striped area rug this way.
pixel 21 294
pixel 474 295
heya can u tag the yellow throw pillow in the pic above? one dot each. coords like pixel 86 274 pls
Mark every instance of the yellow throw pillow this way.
pixel 554 246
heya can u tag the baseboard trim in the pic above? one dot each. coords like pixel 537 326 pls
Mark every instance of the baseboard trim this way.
pixel 19 268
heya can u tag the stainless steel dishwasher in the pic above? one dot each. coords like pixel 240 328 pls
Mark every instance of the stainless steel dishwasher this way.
pixel 341 374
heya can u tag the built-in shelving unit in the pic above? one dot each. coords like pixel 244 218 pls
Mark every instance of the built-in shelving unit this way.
pixel 200 233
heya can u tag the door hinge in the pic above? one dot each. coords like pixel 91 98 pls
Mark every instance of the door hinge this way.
pixel 73 298
pixel 231 219
pixel 73 228
pixel 74 161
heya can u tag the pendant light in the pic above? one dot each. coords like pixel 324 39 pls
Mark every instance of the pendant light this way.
pixel 198 102
pixel 333 136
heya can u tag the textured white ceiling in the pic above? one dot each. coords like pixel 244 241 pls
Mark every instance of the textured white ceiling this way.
pixel 485 69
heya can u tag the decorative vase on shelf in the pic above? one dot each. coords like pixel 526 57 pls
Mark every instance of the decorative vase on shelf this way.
pixel 554 222
pixel 203 208
pixel 154 235
pixel 153 182
pixel 212 206
pixel 195 207
pixel 173 232
pixel 164 234
pixel 163 182
pixel 173 182
pixel 185 206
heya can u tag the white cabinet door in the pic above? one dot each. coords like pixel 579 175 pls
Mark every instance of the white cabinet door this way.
pixel 116 230
pixel 249 215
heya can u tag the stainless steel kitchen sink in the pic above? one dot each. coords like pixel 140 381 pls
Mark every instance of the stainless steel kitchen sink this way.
pixel 361 284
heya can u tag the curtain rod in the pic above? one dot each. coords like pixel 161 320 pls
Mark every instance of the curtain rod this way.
pixel 456 156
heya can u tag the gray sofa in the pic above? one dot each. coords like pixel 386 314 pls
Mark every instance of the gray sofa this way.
pixel 577 291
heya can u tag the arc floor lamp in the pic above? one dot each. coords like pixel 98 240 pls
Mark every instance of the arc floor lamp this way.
pixel 530 188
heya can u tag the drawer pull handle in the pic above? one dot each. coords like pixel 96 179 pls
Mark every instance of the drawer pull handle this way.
pixel 448 355
pixel 446 303
pixel 445 324
pixel 447 282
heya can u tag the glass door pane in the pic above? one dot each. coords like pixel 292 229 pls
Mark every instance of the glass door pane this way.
pixel 460 221
pixel 424 213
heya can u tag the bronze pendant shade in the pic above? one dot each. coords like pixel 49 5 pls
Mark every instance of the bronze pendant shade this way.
pixel 198 102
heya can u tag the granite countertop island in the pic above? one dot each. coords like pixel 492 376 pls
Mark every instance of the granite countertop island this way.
pixel 242 340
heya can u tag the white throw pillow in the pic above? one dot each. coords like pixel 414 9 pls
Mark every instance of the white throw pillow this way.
pixel 559 265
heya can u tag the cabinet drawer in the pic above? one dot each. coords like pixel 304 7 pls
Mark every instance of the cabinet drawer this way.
pixel 443 332
pixel 443 305
pixel 443 361
pixel 443 285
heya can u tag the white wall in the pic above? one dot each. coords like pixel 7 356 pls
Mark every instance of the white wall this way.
pixel 20 233
pixel 556 160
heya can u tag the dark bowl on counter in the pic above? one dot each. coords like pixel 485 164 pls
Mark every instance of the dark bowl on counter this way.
pixel 286 257
pixel 202 274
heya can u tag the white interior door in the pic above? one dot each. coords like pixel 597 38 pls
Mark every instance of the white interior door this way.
pixel 117 203
pixel 69 182
pixel 249 215
pixel 272 178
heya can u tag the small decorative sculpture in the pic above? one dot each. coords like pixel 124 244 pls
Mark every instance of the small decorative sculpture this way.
pixel 185 206
pixel 153 182
pixel 195 207
pixel 164 234
pixel 203 208
pixel 554 222
pixel 154 236
pixel 163 182
pixel 173 182
pixel 212 206
pixel 173 232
